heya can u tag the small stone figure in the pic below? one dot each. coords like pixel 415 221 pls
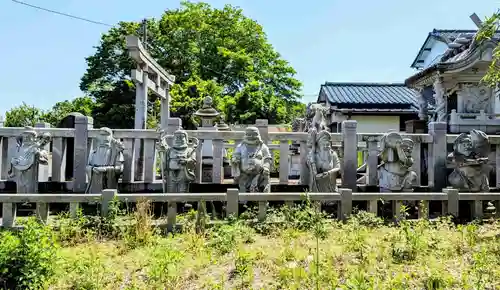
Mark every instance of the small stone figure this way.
pixel 251 163
pixel 394 171
pixel 28 156
pixel 105 163
pixel 470 158
pixel 178 162
pixel 323 162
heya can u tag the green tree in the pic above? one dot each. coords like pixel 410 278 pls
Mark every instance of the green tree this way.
pixel 217 52
pixel 26 115
pixel 23 115
pixel 487 31
pixel 83 105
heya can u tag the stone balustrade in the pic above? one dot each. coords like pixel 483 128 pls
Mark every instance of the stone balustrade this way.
pixel 449 199
pixel 142 166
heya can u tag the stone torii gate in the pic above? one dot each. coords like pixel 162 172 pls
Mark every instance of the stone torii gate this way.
pixel 148 75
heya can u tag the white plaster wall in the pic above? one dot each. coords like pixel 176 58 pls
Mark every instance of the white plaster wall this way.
pixel 437 49
pixel 376 124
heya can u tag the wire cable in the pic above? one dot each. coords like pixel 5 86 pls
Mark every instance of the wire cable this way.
pixel 62 14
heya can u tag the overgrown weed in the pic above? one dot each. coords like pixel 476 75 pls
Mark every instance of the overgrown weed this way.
pixel 296 247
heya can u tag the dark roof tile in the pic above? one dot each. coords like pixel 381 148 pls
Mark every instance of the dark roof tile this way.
pixel 370 93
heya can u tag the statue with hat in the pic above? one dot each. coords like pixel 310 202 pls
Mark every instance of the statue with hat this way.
pixel 323 162
pixel 178 161
pixel 28 156
pixel 470 161
pixel 251 163
pixel 394 171
pixel 105 163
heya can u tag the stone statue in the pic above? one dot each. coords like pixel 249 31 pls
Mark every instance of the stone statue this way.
pixel 28 156
pixel 394 171
pixel 178 162
pixel 314 117
pixel 251 163
pixel 470 158
pixel 323 162
pixel 105 163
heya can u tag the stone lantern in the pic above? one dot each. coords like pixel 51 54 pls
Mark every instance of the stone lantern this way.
pixel 207 114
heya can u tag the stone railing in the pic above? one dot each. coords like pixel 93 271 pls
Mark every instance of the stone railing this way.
pixel 232 198
pixel 141 166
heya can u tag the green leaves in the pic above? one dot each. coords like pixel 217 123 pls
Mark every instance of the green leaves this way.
pixel 487 31
pixel 25 115
pixel 220 52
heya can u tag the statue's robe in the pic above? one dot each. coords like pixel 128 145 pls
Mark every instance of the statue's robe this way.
pixel 104 156
pixel 252 160
pixel 321 163
pixel 25 162
pixel 178 176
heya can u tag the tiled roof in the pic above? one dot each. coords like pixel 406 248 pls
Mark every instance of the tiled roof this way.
pixel 444 35
pixel 371 94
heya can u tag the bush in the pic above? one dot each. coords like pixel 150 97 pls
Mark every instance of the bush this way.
pixel 27 257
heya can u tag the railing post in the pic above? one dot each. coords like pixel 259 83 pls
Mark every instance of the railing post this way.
pixel 42 212
pixel 73 209
pixel 453 200
pixel 350 160
pixel 81 153
pixel 262 210
pixel 8 214
pixel 437 164
pixel 263 126
pixel 345 203
pixel 372 162
pixel 171 216
pixel 107 198
pixel 173 124
pixel 232 198
pixel 218 154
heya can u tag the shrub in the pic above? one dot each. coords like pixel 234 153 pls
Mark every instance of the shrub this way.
pixel 27 257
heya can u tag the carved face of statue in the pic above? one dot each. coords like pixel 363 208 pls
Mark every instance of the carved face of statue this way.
pixel 28 138
pixel 324 144
pixel 180 140
pixel 407 147
pixel 465 147
pixel 104 138
pixel 252 136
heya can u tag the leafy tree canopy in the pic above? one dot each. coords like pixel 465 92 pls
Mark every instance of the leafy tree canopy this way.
pixel 26 115
pixel 216 52
pixel 486 32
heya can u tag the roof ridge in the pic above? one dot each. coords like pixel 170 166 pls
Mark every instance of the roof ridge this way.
pixel 454 30
pixel 367 84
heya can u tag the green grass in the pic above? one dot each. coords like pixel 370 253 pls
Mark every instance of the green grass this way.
pixel 295 248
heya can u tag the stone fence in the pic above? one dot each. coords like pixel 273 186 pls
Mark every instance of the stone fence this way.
pixel 141 166
pixel 449 199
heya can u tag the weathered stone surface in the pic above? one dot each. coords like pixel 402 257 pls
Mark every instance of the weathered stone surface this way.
pixel 394 171
pixel 251 163
pixel 29 154
pixel 105 163
pixel 323 163
pixel 470 158
pixel 178 162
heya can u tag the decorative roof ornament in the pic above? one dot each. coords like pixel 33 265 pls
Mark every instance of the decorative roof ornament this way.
pixel 207 111
pixel 462 40
pixel 221 125
pixel 454 45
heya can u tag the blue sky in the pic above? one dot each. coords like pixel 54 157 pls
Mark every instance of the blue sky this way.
pixel 43 54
